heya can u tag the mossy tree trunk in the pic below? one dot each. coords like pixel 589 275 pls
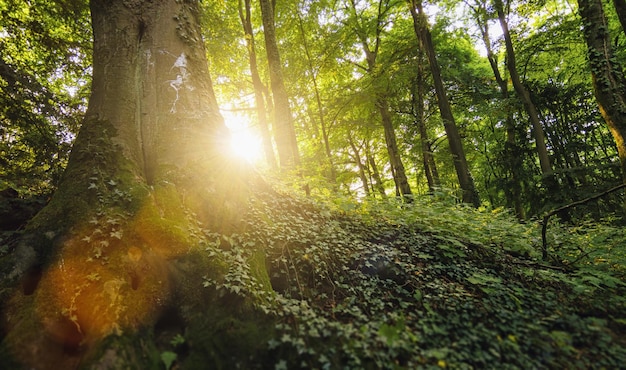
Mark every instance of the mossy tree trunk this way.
pixel 117 247
pixel 607 74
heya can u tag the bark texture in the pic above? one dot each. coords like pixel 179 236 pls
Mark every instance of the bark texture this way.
pixel 111 264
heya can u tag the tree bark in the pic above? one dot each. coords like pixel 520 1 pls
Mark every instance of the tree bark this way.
pixel 607 74
pixel 284 129
pixel 116 248
pixel 245 16
pixel 466 182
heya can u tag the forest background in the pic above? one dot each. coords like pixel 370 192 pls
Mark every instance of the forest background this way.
pixel 343 65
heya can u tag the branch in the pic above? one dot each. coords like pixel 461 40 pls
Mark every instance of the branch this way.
pixel 544 228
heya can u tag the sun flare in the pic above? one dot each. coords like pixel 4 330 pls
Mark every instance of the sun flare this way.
pixel 245 142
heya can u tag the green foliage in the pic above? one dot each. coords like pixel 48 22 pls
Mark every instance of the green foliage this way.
pixel 44 79
pixel 426 284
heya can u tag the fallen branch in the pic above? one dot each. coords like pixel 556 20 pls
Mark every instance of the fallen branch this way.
pixel 544 228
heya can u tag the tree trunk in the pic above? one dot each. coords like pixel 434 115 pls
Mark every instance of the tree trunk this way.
pixel 244 15
pixel 620 9
pixel 428 160
pixel 118 248
pixel 284 129
pixel 318 101
pixel 607 75
pixel 397 168
pixel 359 163
pixel 513 192
pixel 522 92
pixel 466 182
pixel 375 174
pixel 371 53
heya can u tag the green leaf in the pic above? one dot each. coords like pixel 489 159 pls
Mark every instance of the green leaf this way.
pixel 168 358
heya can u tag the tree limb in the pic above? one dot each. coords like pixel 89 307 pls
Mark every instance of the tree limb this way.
pixel 544 228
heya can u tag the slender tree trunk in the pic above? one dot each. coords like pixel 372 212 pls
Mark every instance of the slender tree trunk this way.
pixel 244 15
pixel 284 129
pixel 607 75
pixel 524 95
pixel 513 159
pixel 382 105
pixel 430 167
pixel 466 182
pixel 378 182
pixel 318 102
pixel 399 174
pixel 359 163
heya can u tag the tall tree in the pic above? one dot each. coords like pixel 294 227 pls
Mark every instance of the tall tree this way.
pixel 332 174
pixel 418 103
pixel 512 157
pixel 120 236
pixel 422 32
pixel 607 74
pixel 257 83
pixel 382 105
pixel 524 96
pixel 284 130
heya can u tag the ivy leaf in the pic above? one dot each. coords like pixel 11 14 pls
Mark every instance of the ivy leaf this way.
pixel 168 358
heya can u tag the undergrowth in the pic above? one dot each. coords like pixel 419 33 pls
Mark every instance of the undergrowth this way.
pixel 426 285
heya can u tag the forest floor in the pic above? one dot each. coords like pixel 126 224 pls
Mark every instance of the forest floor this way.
pixel 423 285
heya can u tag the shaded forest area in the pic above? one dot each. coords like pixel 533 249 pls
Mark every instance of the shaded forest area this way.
pixel 390 217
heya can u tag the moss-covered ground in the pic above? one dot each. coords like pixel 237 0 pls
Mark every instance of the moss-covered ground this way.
pixel 299 283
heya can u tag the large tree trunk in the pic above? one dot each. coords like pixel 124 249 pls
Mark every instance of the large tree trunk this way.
pixel 608 76
pixel 119 241
pixel 466 182
pixel 245 16
pixel 284 130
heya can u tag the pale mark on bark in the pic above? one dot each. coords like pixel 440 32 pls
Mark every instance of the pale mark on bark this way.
pixel 181 80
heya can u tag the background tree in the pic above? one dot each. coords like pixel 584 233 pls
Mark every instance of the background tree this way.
pixel 257 83
pixel 470 195
pixel 284 130
pixel 524 95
